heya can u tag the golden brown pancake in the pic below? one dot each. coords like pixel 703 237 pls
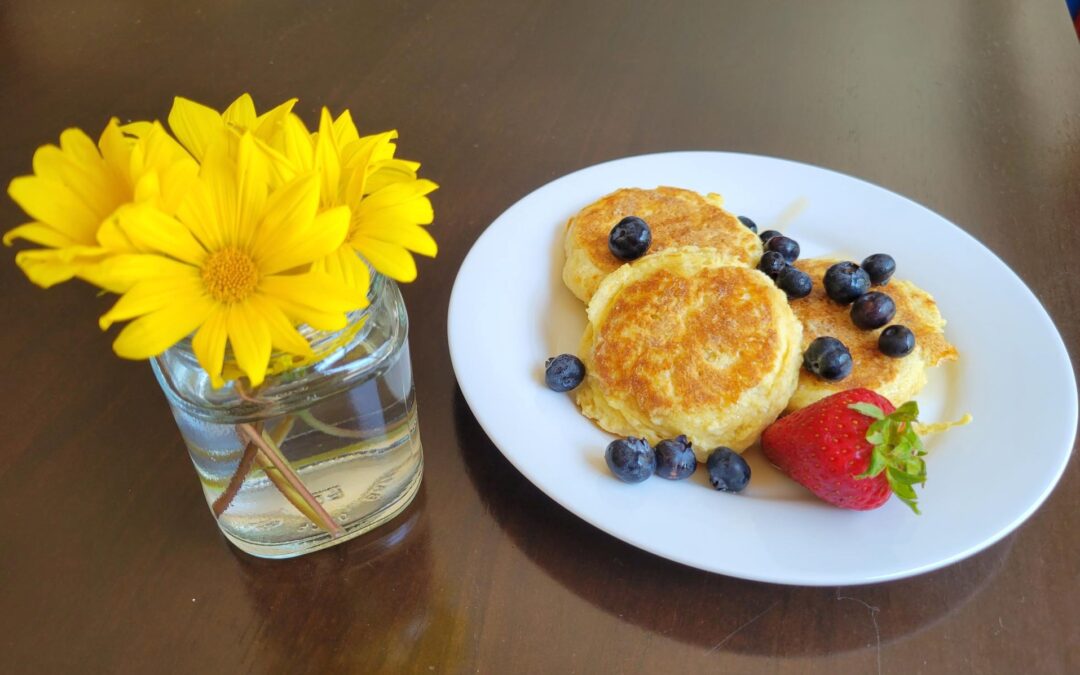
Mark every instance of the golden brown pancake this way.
pixel 897 379
pixel 679 343
pixel 675 216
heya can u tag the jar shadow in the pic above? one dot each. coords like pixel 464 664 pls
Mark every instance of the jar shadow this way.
pixel 702 608
pixel 380 588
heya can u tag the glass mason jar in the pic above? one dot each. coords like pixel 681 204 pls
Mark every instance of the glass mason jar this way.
pixel 322 451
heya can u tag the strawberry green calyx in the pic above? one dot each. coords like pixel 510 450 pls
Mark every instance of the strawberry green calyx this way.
pixel 898 451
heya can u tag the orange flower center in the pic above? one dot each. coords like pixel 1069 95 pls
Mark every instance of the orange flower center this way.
pixel 230 275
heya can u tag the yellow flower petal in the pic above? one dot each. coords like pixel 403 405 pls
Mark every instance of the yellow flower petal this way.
pixel 288 209
pixel 115 149
pixel 147 188
pixel 390 172
pixel 390 259
pixel 54 204
pixel 151 230
pixel 280 168
pixel 77 144
pixel 303 246
pixel 357 159
pixel 250 340
pixel 47 267
pixel 199 213
pixel 49 163
pixel 327 161
pixel 375 148
pixel 283 335
pixel 39 234
pixel 345 130
pixel 313 298
pixel 251 183
pixel 153 333
pixel 269 124
pixel 346 266
pixel 415 211
pixel 195 125
pixel 110 236
pixel 176 181
pixel 407 235
pixel 240 115
pixel 218 176
pixel 139 128
pixel 150 295
pixel 295 143
pixel 119 273
pixel 209 344
pixel 408 194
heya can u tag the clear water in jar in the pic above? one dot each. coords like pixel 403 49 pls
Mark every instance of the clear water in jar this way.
pixel 358 452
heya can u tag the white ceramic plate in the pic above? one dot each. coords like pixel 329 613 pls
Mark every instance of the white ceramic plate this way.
pixel 509 311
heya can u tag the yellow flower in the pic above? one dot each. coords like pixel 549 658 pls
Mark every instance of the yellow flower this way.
pixel 231 267
pixel 198 127
pixel 388 203
pixel 77 190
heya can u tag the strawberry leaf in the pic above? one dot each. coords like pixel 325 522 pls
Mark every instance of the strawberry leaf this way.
pixel 876 466
pixel 906 495
pixel 868 409
pixel 909 412
pixel 905 478
pixel 898 451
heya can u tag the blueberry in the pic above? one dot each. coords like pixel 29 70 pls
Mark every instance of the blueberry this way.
pixel 771 263
pixel 828 358
pixel 845 281
pixel 675 458
pixel 728 471
pixel 873 310
pixel 750 225
pixel 880 267
pixel 785 246
pixel 767 235
pixel 794 282
pixel 563 372
pixel 630 238
pixel 631 459
pixel 896 341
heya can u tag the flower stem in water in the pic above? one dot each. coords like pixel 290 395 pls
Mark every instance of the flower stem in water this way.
pixel 251 452
pixel 297 494
pixel 328 429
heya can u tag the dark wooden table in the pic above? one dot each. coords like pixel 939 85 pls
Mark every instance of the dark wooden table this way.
pixel 110 561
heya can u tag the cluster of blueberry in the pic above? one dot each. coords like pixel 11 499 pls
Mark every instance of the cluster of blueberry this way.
pixel 632 460
pixel 776 262
pixel 849 284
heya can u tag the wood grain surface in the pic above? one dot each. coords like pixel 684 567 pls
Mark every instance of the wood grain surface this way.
pixel 110 560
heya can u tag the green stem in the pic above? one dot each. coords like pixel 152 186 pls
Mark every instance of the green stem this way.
pixel 329 429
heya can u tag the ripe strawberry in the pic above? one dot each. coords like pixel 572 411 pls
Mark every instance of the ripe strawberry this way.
pixel 853 449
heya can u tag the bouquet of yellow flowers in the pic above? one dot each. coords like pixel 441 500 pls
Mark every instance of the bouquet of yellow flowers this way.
pixel 250 235
pixel 236 229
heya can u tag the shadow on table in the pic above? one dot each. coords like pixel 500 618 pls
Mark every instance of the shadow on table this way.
pixel 697 607
pixel 332 606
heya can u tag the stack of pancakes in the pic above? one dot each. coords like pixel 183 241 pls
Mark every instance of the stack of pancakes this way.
pixel 692 339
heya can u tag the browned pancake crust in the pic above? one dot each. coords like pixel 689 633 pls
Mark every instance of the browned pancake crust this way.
pixel 695 343
pixel 675 216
